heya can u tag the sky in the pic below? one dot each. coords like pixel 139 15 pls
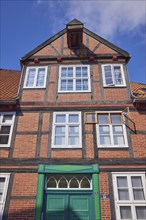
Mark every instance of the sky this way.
pixel 25 24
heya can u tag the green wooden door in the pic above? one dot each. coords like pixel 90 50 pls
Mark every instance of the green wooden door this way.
pixel 69 206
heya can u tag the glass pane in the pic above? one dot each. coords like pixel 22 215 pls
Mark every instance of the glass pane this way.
pixel 2 182
pixel 59 140
pixel 60 130
pixel 123 194
pixel 51 183
pixel 107 71
pixel 84 72
pixel 5 130
pixel 74 183
pixel 116 118
pixel 117 129
pixel 125 212
pixel 63 183
pixel 78 85
pixel 91 117
pixel 30 77
pixel 41 77
pixel 103 129
pixel 85 84
pixel 60 118
pixel 73 130
pixel 136 181
pixel 7 118
pixel 63 72
pixel 103 119
pixel 70 71
pixel 85 183
pixel 4 139
pixel 141 212
pixel 70 85
pixel 63 85
pixel 74 140
pixel 138 194
pixel 78 71
pixel 119 140
pixel 118 75
pixel 122 182
pixel 74 118
pixel 105 140
pixel 109 81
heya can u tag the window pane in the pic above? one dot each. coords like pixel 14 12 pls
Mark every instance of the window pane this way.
pixel 103 119
pixel 4 139
pixel 118 75
pixel 60 130
pixel 74 140
pixel 84 72
pixel 122 182
pixel 78 72
pixel 63 85
pixel 2 183
pixel 85 183
pixel 85 84
pixel 60 118
pixel 51 183
pixel 73 130
pixel 123 194
pixel 136 181
pixel 30 77
pixel 107 71
pixel 78 85
pixel 73 118
pixel 109 81
pixel 70 85
pixel 141 212
pixel 117 129
pixel 5 130
pixel 138 194
pixel 116 118
pixel 105 140
pixel 7 118
pixel 70 72
pixel 40 77
pixel 63 72
pixel 119 140
pixel 125 212
pixel 63 183
pixel 59 140
pixel 103 129
pixel 74 183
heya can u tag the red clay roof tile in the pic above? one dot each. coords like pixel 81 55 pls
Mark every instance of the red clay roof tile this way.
pixel 138 90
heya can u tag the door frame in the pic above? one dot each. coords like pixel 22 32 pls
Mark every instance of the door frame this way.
pixel 67 169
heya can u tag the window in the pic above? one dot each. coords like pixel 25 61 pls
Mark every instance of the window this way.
pixel 113 75
pixel 111 131
pixel 35 77
pixel 4 179
pixel 74 79
pixel 130 195
pixel 6 128
pixel 67 130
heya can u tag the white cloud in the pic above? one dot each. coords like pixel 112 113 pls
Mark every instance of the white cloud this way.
pixel 106 17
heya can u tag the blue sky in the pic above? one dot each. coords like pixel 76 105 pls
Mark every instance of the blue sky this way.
pixel 26 23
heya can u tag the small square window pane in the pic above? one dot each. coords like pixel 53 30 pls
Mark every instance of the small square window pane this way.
pixel 4 139
pixel 78 84
pixel 64 72
pixel 5 130
pixel 105 140
pixel 84 72
pixel 125 212
pixel 109 81
pixel 30 77
pixel 60 118
pixel 136 181
pixel 73 130
pixel 122 181
pixel 60 130
pixel 119 140
pixel 70 71
pixel 103 118
pixel 117 129
pixel 123 194
pixel 70 85
pixel 73 118
pixel 59 140
pixel 116 118
pixel 63 85
pixel 7 118
pixel 78 72
pixel 138 194
pixel 103 129
pixel 74 140
pixel 141 212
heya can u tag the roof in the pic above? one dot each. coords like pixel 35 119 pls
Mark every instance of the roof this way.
pixel 9 84
pixel 85 30
pixel 138 90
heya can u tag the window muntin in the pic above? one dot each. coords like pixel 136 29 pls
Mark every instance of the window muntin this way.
pixel 113 75
pixel 68 181
pixel 6 128
pixel 111 131
pixel 130 195
pixel 74 79
pixel 4 179
pixel 35 77
pixel 67 130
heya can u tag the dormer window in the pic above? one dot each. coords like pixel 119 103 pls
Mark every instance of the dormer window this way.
pixel 113 75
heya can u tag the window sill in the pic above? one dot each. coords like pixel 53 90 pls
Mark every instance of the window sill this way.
pixel 74 91
pixel 110 86
pixel 113 147
pixel 65 148
pixel 34 88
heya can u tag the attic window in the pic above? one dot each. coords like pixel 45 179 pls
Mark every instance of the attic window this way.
pixel 74 42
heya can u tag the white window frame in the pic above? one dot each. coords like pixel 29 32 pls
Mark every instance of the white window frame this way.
pixel 35 79
pixel 66 130
pixel 122 73
pixel 74 79
pixel 2 203
pixel 7 124
pixel 111 132
pixel 131 202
